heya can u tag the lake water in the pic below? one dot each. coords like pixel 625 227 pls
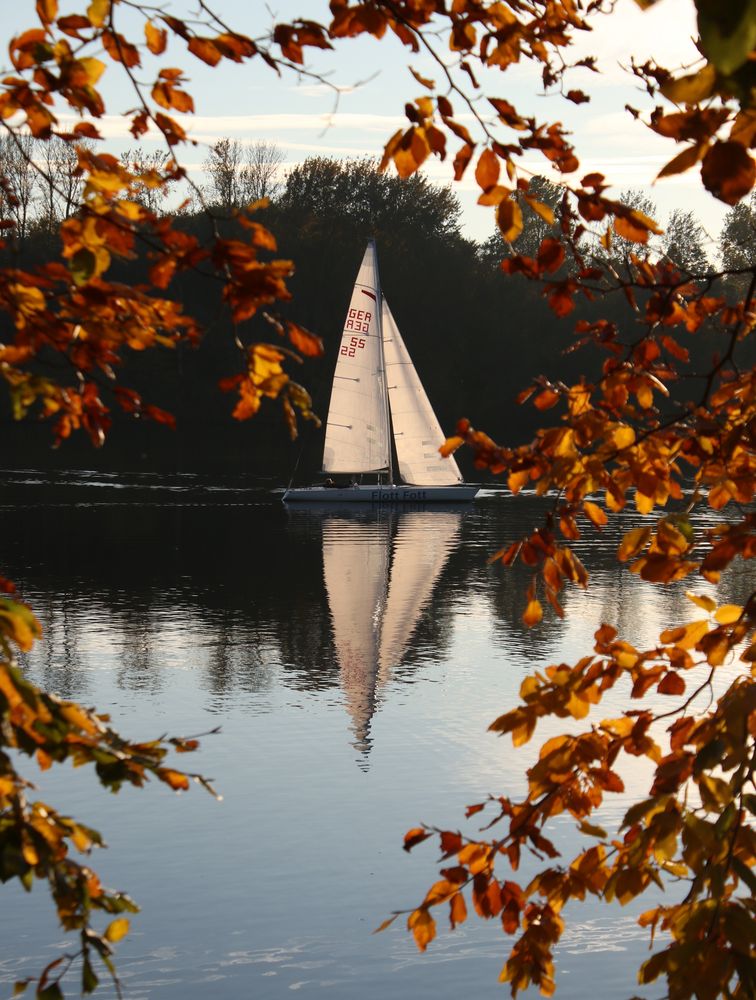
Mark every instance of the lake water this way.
pixel 353 660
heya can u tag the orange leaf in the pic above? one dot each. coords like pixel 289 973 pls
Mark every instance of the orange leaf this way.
pixel 156 38
pixel 178 781
pixel 423 926
pixel 546 399
pixel 533 613
pixel 450 445
pixel 47 10
pixel 205 49
pixel 386 923
pixel 304 341
pixel 595 513
pixel 683 161
pixel 550 255
pixel 509 219
pixel 415 836
pixel 457 910
pixel 487 170
pixel 672 683
pixel 728 171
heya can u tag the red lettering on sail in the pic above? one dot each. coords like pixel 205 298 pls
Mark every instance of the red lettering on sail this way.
pixel 355 344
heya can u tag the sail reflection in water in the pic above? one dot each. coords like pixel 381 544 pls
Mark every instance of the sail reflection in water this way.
pixel 379 575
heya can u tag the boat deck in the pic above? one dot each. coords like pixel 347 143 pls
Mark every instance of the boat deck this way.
pixel 381 494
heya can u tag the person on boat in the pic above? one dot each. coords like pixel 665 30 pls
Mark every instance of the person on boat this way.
pixel 329 484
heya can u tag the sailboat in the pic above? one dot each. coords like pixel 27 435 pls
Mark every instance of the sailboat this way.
pixel 378 406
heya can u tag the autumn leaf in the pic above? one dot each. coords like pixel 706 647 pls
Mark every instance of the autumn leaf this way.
pixel 533 613
pixel 117 929
pixel 423 927
pixel 728 171
pixel 509 219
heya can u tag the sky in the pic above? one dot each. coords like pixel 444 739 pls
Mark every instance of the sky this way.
pixel 368 82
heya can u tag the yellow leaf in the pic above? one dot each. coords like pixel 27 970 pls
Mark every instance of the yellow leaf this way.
pixel 29 851
pixel 94 68
pixel 439 892
pixel 156 38
pixel 577 707
pixel 688 636
pixel 707 603
pixel 129 209
pixel 544 211
pixel 726 614
pixel 620 436
pixel 643 504
pixel 81 839
pixel 592 831
pixel 97 12
pixel 19 624
pixel 692 88
pixel 76 716
pixel 476 857
pixel 633 541
pixel 117 929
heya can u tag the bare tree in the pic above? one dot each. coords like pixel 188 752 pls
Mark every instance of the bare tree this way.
pixel 260 176
pixel 240 175
pixel 223 164
pixel 60 181
pixel 149 190
pixel 19 179
pixel 69 179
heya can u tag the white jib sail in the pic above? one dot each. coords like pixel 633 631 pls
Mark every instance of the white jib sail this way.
pixel 417 432
pixel 357 434
pixel 422 545
pixel 355 568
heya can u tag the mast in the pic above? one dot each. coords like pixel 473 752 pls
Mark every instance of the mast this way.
pixel 382 367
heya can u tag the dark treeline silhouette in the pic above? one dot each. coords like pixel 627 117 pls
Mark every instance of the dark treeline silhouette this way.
pixel 477 337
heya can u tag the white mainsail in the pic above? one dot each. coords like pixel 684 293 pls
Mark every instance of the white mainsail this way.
pixel 357 431
pixel 417 432
pixel 355 568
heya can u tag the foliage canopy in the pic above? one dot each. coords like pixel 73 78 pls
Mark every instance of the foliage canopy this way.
pixel 639 428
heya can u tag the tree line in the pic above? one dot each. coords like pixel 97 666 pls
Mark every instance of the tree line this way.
pixel 42 184
pixel 460 316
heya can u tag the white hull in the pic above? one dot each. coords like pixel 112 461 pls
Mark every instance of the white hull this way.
pixel 381 494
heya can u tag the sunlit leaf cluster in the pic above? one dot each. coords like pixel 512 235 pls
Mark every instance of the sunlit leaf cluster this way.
pixel 39 843
pixel 694 832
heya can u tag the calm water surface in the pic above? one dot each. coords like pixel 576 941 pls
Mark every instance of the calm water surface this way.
pixel 353 660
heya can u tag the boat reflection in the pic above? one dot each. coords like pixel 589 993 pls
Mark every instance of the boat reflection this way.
pixel 380 572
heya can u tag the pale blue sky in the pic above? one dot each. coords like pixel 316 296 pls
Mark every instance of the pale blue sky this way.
pixel 250 102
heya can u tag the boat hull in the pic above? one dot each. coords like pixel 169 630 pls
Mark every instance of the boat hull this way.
pixel 381 494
